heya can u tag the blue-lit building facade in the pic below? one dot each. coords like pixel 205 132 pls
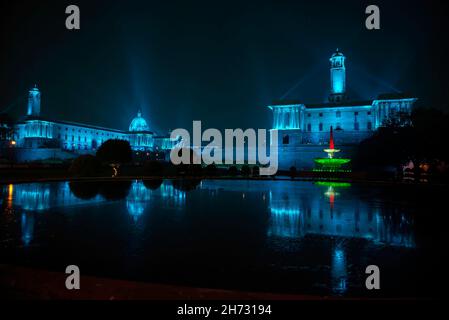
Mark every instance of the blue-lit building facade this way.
pixel 39 138
pixel 304 128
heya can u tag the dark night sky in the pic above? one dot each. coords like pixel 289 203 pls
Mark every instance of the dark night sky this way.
pixel 220 62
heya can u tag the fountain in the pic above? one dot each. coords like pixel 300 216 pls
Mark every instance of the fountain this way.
pixel 331 163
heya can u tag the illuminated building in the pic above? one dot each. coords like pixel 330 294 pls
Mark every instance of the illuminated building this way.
pixel 303 127
pixel 39 138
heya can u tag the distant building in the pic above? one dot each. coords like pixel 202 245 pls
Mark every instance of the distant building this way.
pixel 39 138
pixel 303 128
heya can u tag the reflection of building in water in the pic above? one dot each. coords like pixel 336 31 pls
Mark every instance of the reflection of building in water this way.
pixel 35 197
pixel 173 197
pixel 295 215
pixel 284 216
pixel 137 199
pixel 27 225
pixel 42 196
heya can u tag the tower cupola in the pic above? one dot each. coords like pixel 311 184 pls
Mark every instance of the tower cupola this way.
pixel 337 77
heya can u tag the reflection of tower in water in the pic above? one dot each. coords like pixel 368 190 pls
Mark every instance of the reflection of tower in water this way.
pixel 338 270
pixel 27 227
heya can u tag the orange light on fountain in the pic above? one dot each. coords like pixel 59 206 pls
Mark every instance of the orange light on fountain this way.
pixel 9 200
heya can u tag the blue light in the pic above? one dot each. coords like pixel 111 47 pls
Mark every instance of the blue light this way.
pixel 174 197
pixel 27 226
pixel 338 73
pixel 34 102
pixel 286 117
pixel 338 271
pixel 138 124
pixel 38 129
pixel 137 200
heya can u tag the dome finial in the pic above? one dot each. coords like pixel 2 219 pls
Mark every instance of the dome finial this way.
pixel 139 113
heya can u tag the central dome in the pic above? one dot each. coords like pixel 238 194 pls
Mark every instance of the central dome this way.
pixel 139 123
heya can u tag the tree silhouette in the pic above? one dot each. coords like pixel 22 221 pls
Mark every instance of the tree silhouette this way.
pixel 115 151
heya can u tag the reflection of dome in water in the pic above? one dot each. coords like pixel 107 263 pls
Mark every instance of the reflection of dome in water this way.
pixel 137 199
pixel 139 123
pixel 135 209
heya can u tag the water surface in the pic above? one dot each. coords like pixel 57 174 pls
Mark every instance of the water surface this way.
pixel 271 236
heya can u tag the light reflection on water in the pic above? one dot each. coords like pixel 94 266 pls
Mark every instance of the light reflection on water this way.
pixel 295 210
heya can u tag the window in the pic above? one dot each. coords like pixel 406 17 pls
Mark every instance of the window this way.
pixel 338 126
pixel 356 113
pixel 338 114
pixel 321 127
pixel 309 127
pixel 321 114
pixel 285 139
pixel 369 113
pixel 309 115
pixel 356 126
pixel 369 125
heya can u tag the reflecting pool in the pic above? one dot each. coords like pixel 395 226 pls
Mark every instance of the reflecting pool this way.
pixel 272 236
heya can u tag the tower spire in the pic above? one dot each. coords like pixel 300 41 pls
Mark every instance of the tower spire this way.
pixel 34 102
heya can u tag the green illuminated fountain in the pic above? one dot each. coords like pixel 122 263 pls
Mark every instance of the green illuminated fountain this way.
pixel 330 163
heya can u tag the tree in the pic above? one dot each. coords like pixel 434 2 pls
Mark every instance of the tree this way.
pixel 153 168
pixel 256 171
pixel 233 171
pixel 293 171
pixel 115 151
pixel 211 170
pixel 245 170
pixel 6 126
pixel 392 145
pixel 84 190
pixel 86 166
pixel 115 190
